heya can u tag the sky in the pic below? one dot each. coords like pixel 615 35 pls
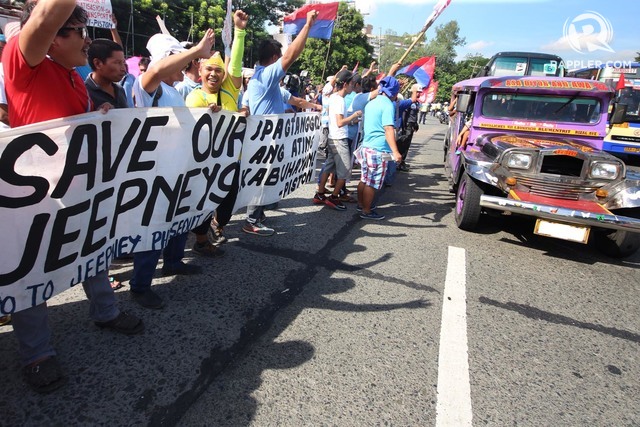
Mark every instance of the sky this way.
pixel 579 31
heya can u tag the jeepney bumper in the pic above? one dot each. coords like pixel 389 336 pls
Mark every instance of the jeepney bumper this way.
pixel 559 214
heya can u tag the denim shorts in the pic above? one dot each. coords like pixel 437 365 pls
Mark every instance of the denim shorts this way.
pixel 338 158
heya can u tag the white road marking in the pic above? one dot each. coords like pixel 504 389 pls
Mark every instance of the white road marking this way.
pixel 453 408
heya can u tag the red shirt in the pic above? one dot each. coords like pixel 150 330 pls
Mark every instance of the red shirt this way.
pixel 44 92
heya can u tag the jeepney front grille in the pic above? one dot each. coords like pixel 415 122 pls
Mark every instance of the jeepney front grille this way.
pixel 560 190
pixel 625 138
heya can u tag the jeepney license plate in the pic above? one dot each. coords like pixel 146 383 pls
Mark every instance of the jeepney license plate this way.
pixel 559 230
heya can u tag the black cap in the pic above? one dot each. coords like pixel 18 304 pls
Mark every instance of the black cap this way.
pixel 343 76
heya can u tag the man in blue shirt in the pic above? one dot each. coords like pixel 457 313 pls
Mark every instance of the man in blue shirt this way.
pixel 264 97
pixel 378 146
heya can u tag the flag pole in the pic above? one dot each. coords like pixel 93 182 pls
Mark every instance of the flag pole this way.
pixel 437 10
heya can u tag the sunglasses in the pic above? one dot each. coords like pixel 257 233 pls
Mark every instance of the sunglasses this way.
pixel 80 30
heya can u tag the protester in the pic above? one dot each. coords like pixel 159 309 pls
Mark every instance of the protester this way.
pixel 220 90
pixel 339 153
pixel 143 64
pixel 4 106
pixel 264 97
pixel 106 59
pixel 155 88
pixel 191 78
pixel 369 92
pixel 379 140
pixel 424 109
pixel 409 126
pixel 42 84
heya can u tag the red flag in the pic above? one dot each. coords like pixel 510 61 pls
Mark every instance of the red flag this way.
pixel 621 82
pixel 421 70
pixel 431 91
pixel 321 29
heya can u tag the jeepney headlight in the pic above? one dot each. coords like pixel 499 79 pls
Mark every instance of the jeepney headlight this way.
pixel 519 161
pixel 604 170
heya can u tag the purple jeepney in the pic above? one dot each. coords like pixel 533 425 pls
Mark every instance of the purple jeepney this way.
pixel 532 147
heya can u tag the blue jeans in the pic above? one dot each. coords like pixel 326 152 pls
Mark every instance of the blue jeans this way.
pixel 144 263
pixel 31 326
pixel 254 213
pixel 390 176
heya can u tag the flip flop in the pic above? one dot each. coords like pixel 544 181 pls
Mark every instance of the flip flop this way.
pixel 115 284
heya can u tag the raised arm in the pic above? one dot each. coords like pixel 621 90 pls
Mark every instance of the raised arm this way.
pixel 234 69
pixel 295 48
pixel 37 34
pixel 115 35
pixel 172 64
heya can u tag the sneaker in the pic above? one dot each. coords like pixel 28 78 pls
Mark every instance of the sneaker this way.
pixel 402 167
pixel 215 235
pixel 182 269
pixel 359 208
pixel 124 323
pixel 319 199
pixel 335 203
pixel 207 249
pixel 148 299
pixel 372 215
pixel 257 229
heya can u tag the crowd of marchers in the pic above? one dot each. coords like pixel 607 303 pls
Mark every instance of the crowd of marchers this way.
pixel 43 79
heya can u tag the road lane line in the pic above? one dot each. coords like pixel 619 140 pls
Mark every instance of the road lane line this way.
pixel 453 408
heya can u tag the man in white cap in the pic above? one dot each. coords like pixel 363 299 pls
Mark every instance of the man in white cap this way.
pixel 155 89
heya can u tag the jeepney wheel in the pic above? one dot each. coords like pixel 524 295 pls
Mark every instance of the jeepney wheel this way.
pixel 468 207
pixel 616 243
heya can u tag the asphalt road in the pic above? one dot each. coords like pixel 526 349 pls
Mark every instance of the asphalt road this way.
pixel 339 321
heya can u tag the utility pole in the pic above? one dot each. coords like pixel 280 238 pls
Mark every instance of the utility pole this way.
pixel 473 68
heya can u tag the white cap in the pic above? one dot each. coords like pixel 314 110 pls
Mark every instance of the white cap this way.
pixel 248 72
pixel 327 89
pixel 162 45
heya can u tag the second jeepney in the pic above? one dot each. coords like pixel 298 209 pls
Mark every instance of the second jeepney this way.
pixel 531 146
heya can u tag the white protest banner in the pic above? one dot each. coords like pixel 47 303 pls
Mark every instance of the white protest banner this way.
pixel 99 12
pixel 278 156
pixel 79 191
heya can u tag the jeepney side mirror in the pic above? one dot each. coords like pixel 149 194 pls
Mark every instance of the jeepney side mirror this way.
pixel 619 113
pixel 462 105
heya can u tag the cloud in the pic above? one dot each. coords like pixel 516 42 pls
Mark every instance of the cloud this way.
pixel 479 45
pixel 560 45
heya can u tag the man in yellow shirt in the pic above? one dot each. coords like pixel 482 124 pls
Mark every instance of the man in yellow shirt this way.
pixel 220 88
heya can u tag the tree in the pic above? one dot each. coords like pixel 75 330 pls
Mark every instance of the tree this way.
pixel 443 46
pixel 470 66
pixel 189 19
pixel 394 46
pixel 637 58
pixel 347 46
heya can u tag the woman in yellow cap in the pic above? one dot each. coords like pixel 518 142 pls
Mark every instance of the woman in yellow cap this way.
pixel 220 88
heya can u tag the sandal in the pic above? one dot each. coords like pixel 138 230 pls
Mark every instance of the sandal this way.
pixel 124 323
pixel 44 376
pixel 115 284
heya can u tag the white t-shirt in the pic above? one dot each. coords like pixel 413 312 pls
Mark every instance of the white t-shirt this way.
pixel 336 106
pixel 170 96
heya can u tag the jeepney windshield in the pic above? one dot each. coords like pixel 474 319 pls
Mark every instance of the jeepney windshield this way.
pixel 517 66
pixel 551 108
pixel 630 97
